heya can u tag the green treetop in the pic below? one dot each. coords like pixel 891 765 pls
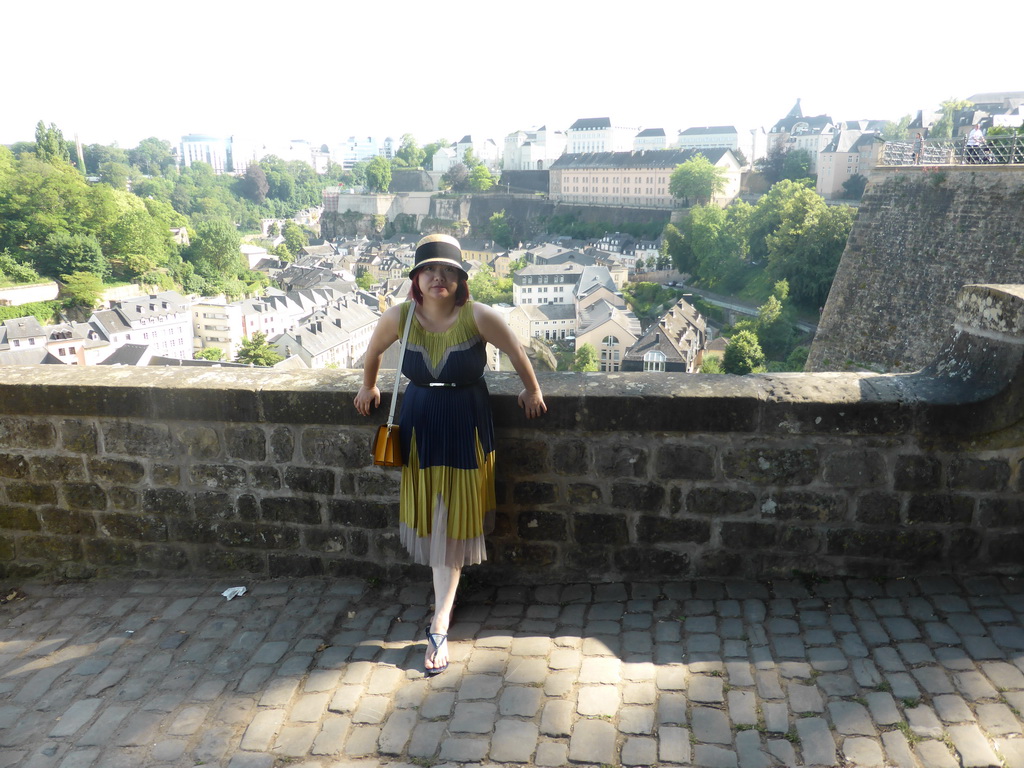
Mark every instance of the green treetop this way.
pixel 697 178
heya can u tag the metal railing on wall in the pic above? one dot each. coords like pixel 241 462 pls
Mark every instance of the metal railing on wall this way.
pixel 999 150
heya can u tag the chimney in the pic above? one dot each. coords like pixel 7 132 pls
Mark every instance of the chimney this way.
pixel 319 326
pixel 298 339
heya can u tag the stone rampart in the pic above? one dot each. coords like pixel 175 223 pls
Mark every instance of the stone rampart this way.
pixel 920 234
pixel 16 295
pixel 163 471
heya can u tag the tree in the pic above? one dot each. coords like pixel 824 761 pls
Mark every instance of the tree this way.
pixel 64 254
pixel 295 239
pixel 431 149
pixel 697 178
pixel 480 179
pixel 378 175
pixel 39 198
pixel 899 131
pixel 797 165
pixel 784 163
pixel 678 249
pixel 256 351
pixel 711 364
pixel 743 355
pixel 853 187
pixel 585 359
pixel 137 243
pixel 488 288
pixel 365 280
pixel 82 289
pixel 807 246
pixel 455 178
pixel 50 144
pixel 410 152
pixel 255 186
pixel 717 242
pixel 13 271
pixel 153 157
pixel 774 326
pixel 771 164
pixel 215 251
pixel 210 353
pixel 117 175
pixel 500 231
pixel 943 128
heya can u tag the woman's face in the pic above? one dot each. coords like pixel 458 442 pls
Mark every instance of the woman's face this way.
pixel 438 280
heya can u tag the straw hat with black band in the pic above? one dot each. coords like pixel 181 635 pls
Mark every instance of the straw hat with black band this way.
pixel 439 249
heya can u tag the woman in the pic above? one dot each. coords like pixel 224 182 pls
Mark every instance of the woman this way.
pixel 447 496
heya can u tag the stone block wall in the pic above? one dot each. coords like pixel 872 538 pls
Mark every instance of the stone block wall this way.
pixel 165 471
pixel 920 234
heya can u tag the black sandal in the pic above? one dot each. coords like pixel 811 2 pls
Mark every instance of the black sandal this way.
pixel 437 641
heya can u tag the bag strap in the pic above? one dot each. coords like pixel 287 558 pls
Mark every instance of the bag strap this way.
pixel 401 359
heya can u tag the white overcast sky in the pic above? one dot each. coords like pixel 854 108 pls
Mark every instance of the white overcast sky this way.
pixel 117 71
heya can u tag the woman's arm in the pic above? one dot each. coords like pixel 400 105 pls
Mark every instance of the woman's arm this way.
pixel 495 330
pixel 384 335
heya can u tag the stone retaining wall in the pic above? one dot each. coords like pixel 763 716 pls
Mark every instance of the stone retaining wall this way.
pixel 163 471
pixel 932 229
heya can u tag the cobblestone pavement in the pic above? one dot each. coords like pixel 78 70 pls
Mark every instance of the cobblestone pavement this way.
pixel 321 674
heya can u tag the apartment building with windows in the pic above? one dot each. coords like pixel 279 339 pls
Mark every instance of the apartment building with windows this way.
pixel 546 284
pixel 633 179
pixel 709 137
pixel 161 321
pixel 534 149
pixel 597 134
pixel 673 344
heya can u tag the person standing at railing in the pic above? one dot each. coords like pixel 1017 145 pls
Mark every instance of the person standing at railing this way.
pixel 447 498
pixel 918 148
pixel 976 145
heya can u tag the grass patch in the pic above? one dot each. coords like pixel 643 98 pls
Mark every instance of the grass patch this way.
pixel 911 737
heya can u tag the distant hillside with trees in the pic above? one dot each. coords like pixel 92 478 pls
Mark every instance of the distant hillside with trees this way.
pixel 110 221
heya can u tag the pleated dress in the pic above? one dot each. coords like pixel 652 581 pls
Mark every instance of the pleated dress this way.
pixel 447 435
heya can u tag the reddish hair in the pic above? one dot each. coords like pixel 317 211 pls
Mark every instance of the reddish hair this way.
pixel 461 293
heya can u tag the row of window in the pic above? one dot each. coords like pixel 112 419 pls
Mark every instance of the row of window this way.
pixel 625 180
pixel 545 279
pixel 615 190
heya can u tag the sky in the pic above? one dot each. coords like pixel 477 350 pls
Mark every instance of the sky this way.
pixel 112 71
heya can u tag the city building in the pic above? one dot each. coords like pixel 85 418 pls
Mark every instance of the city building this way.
pixel 544 321
pixel 709 137
pixel 674 343
pixel 335 336
pixel 532 149
pixel 850 153
pixel 215 151
pixel 650 138
pixel 797 132
pixel 610 328
pixel 161 321
pixel 597 134
pixel 546 284
pixel 633 179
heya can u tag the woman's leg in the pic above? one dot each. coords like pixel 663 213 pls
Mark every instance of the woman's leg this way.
pixel 446 583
